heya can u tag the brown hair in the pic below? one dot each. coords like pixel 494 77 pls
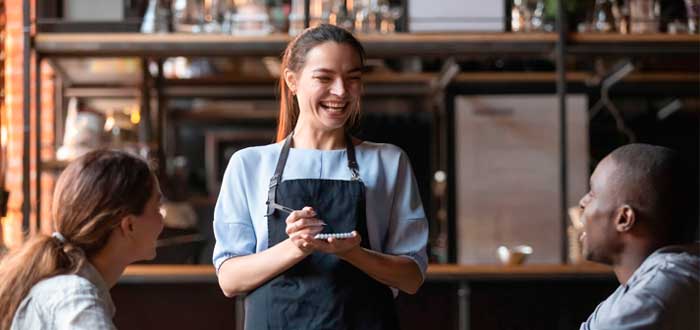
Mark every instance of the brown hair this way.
pixel 294 58
pixel 92 196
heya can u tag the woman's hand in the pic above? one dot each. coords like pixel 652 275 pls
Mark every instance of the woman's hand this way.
pixel 302 226
pixel 245 273
pixel 338 246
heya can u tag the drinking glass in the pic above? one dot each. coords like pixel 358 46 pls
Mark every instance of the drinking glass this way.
pixel 692 8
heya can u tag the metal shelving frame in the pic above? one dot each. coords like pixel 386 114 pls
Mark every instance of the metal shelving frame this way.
pixel 158 46
pixel 155 47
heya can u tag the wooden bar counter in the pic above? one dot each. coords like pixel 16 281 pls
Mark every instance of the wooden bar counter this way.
pixel 436 272
pixel 453 297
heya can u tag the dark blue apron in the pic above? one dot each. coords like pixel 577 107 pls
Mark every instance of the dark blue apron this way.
pixel 321 291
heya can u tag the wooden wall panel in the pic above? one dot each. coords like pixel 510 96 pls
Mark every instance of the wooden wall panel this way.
pixel 507 168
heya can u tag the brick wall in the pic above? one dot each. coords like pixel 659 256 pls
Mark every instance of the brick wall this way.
pixel 47 144
pixel 3 119
pixel 14 45
pixel 13 106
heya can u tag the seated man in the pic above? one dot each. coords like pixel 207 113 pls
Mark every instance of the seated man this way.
pixel 640 207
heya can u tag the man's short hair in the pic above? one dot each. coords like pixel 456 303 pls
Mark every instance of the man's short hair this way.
pixel 659 184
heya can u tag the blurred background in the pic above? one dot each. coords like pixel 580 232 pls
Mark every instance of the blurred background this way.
pixel 504 108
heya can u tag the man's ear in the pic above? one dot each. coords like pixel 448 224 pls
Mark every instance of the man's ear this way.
pixel 291 80
pixel 625 218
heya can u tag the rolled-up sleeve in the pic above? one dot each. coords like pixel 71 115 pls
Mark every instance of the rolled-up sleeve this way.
pixel 233 227
pixel 408 226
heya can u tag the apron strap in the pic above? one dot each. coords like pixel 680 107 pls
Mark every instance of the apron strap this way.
pixel 352 162
pixel 277 176
pixel 282 161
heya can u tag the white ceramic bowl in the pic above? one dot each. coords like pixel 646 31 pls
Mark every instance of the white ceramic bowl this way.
pixel 515 255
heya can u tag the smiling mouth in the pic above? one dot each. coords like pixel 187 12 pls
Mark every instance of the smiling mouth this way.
pixel 334 107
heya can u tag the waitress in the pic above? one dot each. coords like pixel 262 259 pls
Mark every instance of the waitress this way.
pixel 276 199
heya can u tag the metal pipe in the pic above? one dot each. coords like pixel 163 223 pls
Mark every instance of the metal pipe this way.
pixel 161 109
pixel 561 95
pixel 463 303
pixel 145 123
pixel 37 140
pixel 26 112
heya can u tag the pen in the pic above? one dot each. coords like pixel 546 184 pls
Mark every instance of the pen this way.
pixel 290 210
pixel 281 207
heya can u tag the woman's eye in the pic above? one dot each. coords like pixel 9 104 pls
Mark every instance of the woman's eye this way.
pixel 323 79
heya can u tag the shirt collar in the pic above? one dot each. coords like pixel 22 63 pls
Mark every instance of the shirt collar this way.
pixel 89 272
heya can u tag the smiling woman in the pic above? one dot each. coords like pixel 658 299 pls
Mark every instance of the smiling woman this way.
pixel 321 229
pixel 327 91
pixel 335 76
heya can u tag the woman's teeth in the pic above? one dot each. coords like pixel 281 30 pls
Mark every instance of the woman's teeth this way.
pixel 333 106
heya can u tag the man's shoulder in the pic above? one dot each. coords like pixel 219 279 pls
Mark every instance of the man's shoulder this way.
pixel 663 293
pixel 679 260
pixel 669 273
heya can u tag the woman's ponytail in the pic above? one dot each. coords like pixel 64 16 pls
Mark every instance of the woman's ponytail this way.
pixel 39 258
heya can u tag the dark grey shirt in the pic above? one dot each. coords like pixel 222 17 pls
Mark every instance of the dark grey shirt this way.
pixel 662 294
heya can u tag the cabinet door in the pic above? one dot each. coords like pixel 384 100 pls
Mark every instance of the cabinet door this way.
pixel 507 169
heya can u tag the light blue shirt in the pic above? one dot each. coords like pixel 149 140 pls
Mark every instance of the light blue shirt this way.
pixel 662 294
pixel 396 222
pixel 67 302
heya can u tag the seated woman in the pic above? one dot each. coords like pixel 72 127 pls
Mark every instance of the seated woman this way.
pixel 106 215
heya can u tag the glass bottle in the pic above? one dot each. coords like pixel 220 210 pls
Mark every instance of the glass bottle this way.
pixel 188 15
pixel 603 17
pixel 296 17
pixel 692 8
pixel 517 16
pixel 251 18
pixel 644 16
